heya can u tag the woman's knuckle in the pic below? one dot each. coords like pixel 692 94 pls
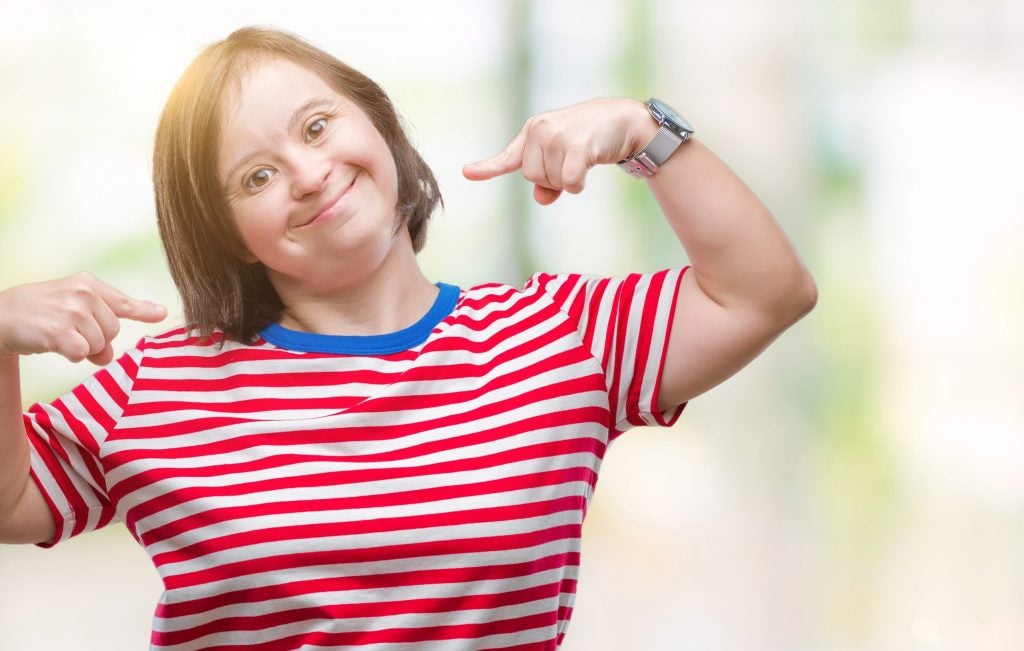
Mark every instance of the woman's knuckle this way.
pixel 78 311
pixel 52 331
pixel 534 177
pixel 81 290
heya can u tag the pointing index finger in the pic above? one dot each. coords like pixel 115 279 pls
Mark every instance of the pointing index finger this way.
pixel 126 307
pixel 509 160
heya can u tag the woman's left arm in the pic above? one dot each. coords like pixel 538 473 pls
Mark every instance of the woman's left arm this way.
pixel 746 285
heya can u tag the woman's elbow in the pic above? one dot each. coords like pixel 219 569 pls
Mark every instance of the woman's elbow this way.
pixel 791 300
pixel 802 297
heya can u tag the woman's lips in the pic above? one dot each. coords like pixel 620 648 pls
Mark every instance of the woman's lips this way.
pixel 329 211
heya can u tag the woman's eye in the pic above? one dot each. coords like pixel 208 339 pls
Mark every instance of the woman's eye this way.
pixel 259 178
pixel 316 129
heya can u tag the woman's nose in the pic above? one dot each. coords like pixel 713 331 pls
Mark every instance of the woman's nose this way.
pixel 309 173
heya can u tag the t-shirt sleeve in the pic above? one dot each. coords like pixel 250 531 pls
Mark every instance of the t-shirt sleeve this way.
pixel 625 322
pixel 65 438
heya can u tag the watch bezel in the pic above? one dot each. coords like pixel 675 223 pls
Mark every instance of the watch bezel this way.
pixel 667 117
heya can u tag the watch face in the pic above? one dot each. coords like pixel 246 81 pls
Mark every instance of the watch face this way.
pixel 667 115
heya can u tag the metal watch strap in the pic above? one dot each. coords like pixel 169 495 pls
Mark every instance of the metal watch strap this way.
pixel 673 130
pixel 650 159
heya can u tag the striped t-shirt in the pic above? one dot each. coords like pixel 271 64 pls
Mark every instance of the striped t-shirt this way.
pixel 418 490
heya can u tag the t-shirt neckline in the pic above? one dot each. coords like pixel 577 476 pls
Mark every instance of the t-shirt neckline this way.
pixel 383 344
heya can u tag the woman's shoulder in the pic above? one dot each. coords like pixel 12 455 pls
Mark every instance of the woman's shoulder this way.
pixel 539 281
pixel 185 340
pixel 541 291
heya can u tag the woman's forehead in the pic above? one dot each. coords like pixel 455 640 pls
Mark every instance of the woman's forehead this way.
pixel 272 85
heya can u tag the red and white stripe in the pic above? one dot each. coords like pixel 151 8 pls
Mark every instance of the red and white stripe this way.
pixel 429 499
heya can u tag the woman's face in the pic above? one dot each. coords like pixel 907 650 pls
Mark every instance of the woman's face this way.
pixel 311 183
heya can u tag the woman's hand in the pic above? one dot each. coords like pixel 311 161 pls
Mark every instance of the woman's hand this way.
pixel 555 149
pixel 77 317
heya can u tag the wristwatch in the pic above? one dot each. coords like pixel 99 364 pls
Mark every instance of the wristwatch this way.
pixel 674 130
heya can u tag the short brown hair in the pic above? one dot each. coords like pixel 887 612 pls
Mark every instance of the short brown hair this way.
pixel 219 289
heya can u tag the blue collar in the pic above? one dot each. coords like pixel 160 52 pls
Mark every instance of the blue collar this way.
pixel 385 344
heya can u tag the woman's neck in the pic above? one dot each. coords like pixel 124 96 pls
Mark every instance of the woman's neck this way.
pixel 393 297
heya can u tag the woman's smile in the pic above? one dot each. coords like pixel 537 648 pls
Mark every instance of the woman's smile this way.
pixel 333 207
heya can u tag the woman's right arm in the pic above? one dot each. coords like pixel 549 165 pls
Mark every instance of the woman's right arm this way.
pixel 24 515
pixel 77 317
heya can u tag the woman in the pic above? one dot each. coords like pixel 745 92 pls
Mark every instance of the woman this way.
pixel 335 451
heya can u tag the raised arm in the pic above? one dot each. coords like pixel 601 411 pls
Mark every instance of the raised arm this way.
pixel 77 317
pixel 747 284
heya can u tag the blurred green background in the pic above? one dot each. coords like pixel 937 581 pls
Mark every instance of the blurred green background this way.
pixel 860 486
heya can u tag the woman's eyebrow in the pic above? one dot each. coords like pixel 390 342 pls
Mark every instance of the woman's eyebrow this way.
pixel 293 124
pixel 306 108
